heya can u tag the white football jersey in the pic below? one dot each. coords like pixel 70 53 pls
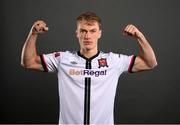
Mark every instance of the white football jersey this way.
pixel 87 87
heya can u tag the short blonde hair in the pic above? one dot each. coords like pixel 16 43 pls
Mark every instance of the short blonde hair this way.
pixel 89 17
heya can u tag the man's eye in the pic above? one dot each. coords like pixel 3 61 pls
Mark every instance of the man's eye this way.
pixel 93 31
pixel 82 31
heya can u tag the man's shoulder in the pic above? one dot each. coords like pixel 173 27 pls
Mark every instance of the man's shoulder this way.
pixel 108 54
pixel 113 55
pixel 68 53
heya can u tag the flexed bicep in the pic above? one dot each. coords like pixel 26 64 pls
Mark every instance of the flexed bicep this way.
pixel 30 59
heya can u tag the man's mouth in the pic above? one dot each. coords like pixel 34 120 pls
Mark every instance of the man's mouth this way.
pixel 87 42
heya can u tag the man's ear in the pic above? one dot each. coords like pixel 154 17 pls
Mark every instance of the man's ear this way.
pixel 100 33
pixel 76 33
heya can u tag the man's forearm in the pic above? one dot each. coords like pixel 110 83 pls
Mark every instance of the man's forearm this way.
pixel 146 52
pixel 29 51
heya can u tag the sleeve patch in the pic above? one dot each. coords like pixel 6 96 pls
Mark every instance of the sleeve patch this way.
pixel 57 54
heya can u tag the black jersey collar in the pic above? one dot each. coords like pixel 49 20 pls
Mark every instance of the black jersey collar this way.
pixel 79 54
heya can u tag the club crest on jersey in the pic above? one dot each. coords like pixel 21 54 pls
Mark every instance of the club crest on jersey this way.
pixel 102 62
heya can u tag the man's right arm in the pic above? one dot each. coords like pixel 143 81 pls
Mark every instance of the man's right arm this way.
pixel 29 56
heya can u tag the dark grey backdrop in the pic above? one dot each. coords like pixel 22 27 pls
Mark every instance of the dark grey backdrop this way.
pixel 146 97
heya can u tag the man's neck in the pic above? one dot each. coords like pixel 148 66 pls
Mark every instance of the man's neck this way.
pixel 88 53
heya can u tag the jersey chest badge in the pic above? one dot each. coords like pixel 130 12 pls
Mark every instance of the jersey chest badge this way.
pixel 102 62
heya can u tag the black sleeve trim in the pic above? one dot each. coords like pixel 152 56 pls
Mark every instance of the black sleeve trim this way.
pixel 131 64
pixel 43 63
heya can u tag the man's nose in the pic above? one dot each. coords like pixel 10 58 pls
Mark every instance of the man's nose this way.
pixel 87 35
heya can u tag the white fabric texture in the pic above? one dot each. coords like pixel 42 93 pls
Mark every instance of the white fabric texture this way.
pixel 71 72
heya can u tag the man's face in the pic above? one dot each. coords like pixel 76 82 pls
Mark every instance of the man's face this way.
pixel 88 34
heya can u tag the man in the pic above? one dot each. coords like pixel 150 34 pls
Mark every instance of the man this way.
pixel 87 78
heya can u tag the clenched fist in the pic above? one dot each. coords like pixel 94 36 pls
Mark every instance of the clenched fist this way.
pixel 39 27
pixel 131 30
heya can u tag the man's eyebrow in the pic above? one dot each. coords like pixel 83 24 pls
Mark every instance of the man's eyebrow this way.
pixel 93 29
pixel 83 29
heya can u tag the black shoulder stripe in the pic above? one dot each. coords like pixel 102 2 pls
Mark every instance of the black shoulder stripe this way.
pixel 131 64
pixel 43 63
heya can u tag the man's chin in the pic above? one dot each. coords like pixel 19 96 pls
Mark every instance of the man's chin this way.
pixel 88 47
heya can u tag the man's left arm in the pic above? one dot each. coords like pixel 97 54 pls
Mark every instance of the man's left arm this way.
pixel 146 58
